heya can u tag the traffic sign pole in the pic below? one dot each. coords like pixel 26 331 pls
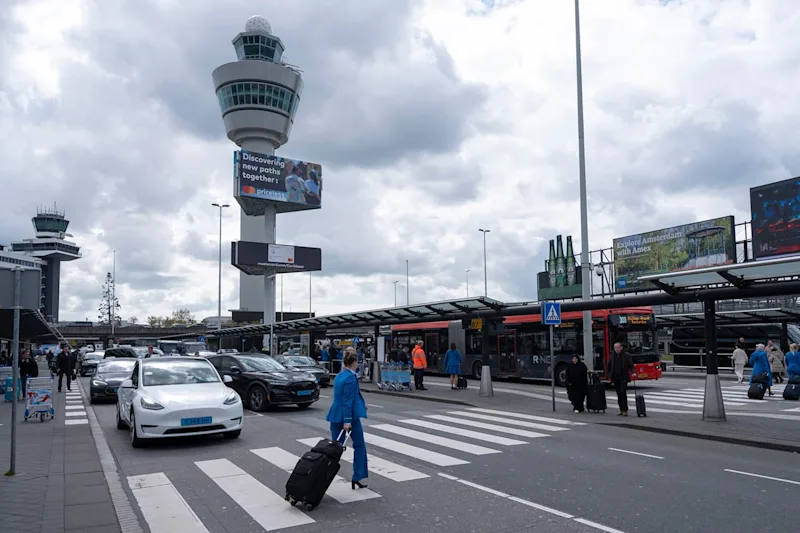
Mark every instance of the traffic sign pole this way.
pixel 552 370
pixel 551 316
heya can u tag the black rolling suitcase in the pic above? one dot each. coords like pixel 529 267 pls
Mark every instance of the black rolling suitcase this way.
pixel 641 410
pixel 791 392
pixel 595 394
pixel 756 391
pixel 462 382
pixel 314 473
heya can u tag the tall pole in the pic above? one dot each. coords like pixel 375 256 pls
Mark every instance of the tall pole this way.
pixel 395 293
pixel 281 298
pixel 219 267
pixel 310 313
pixel 408 302
pixel 15 371
pixel 485 275
pixel 467 273
pixel 586 277
pixel 113 302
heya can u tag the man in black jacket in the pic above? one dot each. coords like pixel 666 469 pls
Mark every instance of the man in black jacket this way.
pixel 27 369
pixel 64 366
pixel 621 370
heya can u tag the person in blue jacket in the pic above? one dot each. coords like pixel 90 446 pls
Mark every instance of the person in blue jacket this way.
pixel 452 365
pixel 760 364
pixel 346 412
pixel 793 363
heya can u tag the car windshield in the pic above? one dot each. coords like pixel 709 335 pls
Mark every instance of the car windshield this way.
pixel 116 367
pixel 94 356
pixel 193 347
pixel 299 360
pixel 157 373
pixel 260 364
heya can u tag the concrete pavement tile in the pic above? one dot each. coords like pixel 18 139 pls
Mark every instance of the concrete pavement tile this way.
pixel 93 494
pixel 89 515
pixel 97 529
pixel 73 481
pixel 83 467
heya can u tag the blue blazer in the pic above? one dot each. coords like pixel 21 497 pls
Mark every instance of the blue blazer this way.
pixel 348 404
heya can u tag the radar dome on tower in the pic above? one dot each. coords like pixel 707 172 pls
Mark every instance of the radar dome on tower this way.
pixel 257 24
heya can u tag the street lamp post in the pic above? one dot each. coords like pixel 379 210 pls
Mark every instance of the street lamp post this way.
pixel 408 302
pixel 467 274
pixel 395 293
pixel 219 266
pixel 485 277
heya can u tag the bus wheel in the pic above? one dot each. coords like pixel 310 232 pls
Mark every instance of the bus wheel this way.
pixel 477 367
pixel 561 375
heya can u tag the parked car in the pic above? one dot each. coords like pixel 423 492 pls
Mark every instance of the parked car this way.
pixel 262 382
pixel 108 377
pixel 177 396
pixel 308 365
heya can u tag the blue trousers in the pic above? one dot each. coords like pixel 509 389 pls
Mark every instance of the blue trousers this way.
pixel 359 447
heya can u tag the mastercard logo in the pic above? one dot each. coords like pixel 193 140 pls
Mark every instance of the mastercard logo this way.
pixel 290 260
pixel 247 189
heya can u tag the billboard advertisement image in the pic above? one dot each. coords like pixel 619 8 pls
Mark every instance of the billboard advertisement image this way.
pixel 561 278
pixel 277 179
pixel 258 258
pixel 776 219
pixel 697 245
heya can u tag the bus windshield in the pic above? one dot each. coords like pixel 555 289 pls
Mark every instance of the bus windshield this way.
pixel 637 333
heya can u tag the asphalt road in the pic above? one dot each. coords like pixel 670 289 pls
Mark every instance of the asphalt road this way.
pixel 505 472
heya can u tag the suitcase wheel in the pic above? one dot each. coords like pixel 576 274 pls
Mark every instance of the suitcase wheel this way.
pixel 286 497
pixel 309 507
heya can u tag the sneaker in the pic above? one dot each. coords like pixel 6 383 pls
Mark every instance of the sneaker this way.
pixel 575 411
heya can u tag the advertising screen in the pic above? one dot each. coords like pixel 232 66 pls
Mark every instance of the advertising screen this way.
pixel 258 258
pixel 697 245
pixel 277 179
pixel 776 219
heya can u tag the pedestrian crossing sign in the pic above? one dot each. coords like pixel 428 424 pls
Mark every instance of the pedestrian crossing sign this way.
pixel 551 313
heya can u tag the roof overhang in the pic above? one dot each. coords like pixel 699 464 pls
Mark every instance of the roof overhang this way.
pixel 727 318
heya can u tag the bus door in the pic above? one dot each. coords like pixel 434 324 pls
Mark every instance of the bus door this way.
pixel 507 352
pixel 432 351
pixel 600 349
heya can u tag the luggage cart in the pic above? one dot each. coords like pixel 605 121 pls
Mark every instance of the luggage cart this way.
pixel 403 375
pixel 39 400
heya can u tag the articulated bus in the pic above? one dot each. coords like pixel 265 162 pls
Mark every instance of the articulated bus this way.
pixel 522 349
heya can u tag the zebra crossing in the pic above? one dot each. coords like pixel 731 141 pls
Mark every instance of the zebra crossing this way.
pixel 438 440
pixel 74 409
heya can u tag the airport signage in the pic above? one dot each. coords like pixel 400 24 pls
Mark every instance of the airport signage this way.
pixel 258 258
pixel 262 180
pixel 30 289
pixel 697 245
pixel 775 210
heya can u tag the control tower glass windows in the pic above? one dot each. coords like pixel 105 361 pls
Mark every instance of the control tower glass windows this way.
pixel 54 224
pixel 255 93
pixel 258 47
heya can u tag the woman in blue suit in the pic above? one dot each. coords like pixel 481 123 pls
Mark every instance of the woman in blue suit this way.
pixel 760 364
pixel 346 412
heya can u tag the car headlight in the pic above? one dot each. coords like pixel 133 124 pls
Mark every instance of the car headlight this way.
pixel 98 383
pixel 147 403
pixel 232 398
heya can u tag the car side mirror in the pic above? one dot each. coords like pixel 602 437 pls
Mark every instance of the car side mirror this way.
pixel 127 384
pixel 227 379
pixel 235 370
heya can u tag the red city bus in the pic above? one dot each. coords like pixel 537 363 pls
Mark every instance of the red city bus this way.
pixel 522 349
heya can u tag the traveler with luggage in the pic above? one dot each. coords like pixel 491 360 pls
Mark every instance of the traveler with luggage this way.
pixel 739 359
pixel 577 383
pixel 792 390
pixel 64 367
pixel 776 357
pixel 452 365
pixel 346 412
pixel 27 369
pixel 622 371
pixel 761 375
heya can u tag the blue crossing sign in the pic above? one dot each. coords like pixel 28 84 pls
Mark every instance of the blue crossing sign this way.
pixel 551 314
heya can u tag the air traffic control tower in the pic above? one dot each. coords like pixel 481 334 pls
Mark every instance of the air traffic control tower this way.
pixel 258 97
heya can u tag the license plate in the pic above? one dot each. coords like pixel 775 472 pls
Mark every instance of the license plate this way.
pixel 304 392
pixel 195 421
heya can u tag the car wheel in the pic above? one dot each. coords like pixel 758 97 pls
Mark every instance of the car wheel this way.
pixel 257 398
pixel 136 442
pixel 232 434
pixel 120 422
pixel 304 405
pixel 561 375
pixel 477 368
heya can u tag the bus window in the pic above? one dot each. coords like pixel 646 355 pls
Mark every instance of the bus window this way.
pixel 474 343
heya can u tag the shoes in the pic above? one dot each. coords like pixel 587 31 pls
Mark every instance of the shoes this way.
pixel 354 484
pixel 575 411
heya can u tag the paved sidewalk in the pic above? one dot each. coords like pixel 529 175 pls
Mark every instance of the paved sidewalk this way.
pixel 59 484
pixel 778 431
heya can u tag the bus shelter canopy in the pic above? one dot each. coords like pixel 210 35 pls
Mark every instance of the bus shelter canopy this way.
pixel 729 318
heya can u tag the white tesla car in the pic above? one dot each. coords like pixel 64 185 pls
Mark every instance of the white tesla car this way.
pixel 176 397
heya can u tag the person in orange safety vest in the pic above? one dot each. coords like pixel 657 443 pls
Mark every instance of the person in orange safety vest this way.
pixel 420 364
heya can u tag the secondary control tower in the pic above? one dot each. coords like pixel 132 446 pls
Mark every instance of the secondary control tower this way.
pixel 258 97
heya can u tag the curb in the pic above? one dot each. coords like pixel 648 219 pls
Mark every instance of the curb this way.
pixel 422 398
pixel 791 448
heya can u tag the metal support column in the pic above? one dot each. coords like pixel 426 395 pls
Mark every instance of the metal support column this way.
pixel 784 337
pixel 486 371
pixel 713 406
pixel 15 371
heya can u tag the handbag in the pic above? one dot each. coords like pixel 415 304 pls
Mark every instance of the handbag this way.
pixel 760 378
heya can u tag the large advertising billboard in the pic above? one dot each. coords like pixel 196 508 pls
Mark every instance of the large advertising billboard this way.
pixel 258 258
pixel 776 219
pixel 292 184
pixel 697 245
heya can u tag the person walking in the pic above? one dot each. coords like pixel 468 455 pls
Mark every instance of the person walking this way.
pixel 793 363
pixel 345 414
pixel 577 383
pixel 761 366
pixel 739 359
pixel 27 369
pixel 622 369
pixel 420 364
pixel 776 358
pixel 64 366
pixel 452 365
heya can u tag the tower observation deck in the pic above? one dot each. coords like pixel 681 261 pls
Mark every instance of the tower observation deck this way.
pixel 258 97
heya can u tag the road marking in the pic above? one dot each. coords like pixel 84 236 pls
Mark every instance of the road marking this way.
pixel 520 423
pixel 636 453
pixel 267 508
pixel 323 396
pixel 795 410
pixel 339 489
pixel 75 413
pixel 373 405
pixel 763 477
pixel 527 417
pixel 253 413
pixel 595 525
pixel 463 432
pixel 376 465
pixel 540 507
pixel 445 442
pixel 490 427
pixel 76 422
pixel 163 507
pixel 438 459
pixel 68 407
pixel 481 487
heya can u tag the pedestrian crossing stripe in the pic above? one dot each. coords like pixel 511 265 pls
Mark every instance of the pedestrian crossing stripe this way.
pixel 163 507
pixel 376 465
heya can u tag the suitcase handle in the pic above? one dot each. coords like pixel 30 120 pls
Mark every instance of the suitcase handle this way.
pixel 346 436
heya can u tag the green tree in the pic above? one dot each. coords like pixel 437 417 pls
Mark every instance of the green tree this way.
pixel 108 310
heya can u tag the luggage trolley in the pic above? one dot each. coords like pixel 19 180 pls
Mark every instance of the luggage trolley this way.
pixel 39 401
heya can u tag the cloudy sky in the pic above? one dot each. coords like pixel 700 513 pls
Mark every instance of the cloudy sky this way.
pixel 431 118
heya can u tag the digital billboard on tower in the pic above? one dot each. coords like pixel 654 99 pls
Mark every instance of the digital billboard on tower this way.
pixel 277 179
pixel 776 219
